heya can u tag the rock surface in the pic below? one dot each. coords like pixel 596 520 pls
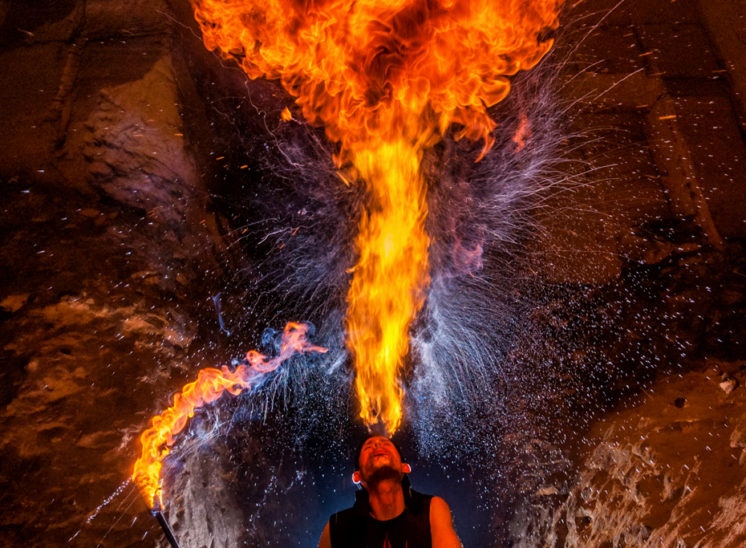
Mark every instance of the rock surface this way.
pixel 668 470
pixel 106 263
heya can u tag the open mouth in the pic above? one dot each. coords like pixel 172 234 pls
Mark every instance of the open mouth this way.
pixel 381 454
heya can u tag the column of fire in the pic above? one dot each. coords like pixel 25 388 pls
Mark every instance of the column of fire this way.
pixel 386 79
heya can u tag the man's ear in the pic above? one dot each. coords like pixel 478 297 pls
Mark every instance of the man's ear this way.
pixel 356 479
pixel 406 468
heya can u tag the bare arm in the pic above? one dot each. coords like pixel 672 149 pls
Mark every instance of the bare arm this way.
pixel 326 540
pixel 441 525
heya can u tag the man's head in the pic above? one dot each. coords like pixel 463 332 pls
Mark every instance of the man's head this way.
pixel 379 460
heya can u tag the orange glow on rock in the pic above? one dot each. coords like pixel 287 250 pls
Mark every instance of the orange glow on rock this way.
pixel 386 78
pixel 157 440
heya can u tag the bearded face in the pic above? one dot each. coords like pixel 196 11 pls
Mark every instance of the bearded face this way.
pixel 379 460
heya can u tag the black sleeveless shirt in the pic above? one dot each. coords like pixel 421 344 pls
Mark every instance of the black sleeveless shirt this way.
pixel 356 528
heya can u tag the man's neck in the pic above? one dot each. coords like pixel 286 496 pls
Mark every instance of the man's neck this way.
pixel 386 499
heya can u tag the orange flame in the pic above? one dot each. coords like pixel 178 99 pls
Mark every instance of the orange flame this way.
pixel 210 384
pixel 386 78
pixel 522 133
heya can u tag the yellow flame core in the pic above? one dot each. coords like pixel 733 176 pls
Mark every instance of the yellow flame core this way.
pixel 386 78
pixel 390 277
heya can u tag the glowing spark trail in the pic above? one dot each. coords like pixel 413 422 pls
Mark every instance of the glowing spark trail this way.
pixel 210 384
pixel 386 78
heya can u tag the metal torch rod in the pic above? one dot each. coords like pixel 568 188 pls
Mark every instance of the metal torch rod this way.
pixel 166 528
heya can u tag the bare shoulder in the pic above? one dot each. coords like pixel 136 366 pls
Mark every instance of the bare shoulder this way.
pixel 441 525
pixel 439 505
pixel 325 541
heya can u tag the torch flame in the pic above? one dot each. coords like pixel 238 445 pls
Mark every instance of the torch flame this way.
pixel 210 384
pixel 386 78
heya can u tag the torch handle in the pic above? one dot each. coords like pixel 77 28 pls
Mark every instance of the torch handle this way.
pixel 166 528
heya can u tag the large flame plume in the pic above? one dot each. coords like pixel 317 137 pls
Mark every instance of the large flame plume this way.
pixel 157 440
pixel 386 78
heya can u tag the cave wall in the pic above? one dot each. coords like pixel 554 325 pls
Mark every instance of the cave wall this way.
pixel 666 470
pixel 658 88
pixel 108 256
pixel 662 221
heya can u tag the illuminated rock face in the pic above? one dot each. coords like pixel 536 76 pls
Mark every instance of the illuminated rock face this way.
pixel 104 258
pixel 666 471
